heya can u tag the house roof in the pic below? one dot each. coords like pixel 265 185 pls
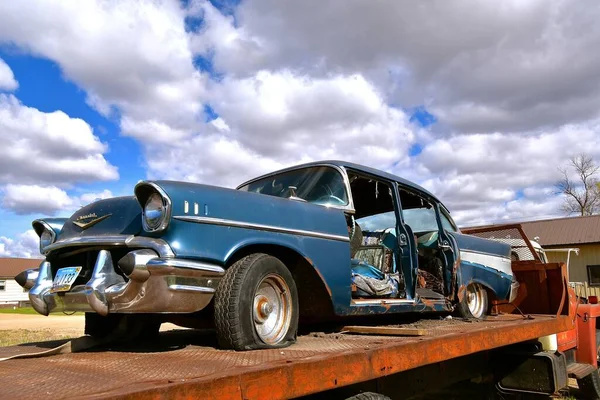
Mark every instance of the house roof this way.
pixel 563 231
pixel 10 267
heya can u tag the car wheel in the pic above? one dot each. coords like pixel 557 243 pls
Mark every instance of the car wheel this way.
pixel 256 305
pixel 474 303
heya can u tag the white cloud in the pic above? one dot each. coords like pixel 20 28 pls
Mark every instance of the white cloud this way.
pixel 487 177
pixel 273 120
pixel 7 78
pixel 48 147
pixel 479 65
pixel 133 56
pixel 47 200
pixel 26 245
pixel 513 85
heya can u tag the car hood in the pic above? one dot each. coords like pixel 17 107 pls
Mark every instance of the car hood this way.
pixel 114 216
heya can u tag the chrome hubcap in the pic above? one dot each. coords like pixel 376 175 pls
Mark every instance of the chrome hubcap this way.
pixel 475 299
pixel 272 309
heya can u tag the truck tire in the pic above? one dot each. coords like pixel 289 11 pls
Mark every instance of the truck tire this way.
pixel 368 396
pixel 589 386
pixel 474 304
pixel 256 305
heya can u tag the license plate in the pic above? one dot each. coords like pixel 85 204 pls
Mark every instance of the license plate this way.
pixel 64 279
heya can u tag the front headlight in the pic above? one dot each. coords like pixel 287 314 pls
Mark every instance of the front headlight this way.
pixel 45 232
pixel 154 211
pixel 156 206
pixel 46 239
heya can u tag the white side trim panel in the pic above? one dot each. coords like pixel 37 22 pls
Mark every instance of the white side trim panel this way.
pixel 498 263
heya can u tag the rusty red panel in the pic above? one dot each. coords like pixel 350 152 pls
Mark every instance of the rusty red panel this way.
pixel 586 334
pixel 185 365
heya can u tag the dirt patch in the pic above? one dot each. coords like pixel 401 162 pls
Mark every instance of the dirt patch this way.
pixel 40 322
pixel 436 323
pixel 325 335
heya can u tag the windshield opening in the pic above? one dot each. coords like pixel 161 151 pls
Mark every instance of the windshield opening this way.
pixel 317 185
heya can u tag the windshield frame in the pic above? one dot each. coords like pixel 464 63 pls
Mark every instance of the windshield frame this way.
pixel 342 171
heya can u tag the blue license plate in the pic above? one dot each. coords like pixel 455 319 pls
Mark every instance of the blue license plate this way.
pixel 65 277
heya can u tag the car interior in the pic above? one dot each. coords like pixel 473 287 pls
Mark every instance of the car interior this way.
pixel 374 246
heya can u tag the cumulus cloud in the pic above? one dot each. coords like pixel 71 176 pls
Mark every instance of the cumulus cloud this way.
pixel 477 65
pixel 512 86
pixel 7 78
pixel 131 56
pixel 48 147
pixel 273 120
pixel 47 200
pixel 25 245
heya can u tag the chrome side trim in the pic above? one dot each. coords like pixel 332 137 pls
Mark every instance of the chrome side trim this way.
pixel 260 227
pixel 159 266
pixel 191 289
pixel 158 245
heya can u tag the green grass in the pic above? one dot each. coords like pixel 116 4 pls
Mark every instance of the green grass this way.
pixel 19 336
pixel 21 310
pixel 29 310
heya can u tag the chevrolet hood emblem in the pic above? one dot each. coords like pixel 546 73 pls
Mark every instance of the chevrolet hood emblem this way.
pixel 84 225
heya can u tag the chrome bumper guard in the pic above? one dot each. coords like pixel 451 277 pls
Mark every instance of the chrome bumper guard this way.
pixel 514 291
pixel 154 285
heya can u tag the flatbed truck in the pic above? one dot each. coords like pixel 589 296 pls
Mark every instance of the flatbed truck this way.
pixel 509 351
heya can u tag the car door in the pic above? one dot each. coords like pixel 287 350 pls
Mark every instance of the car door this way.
pixel 408 249
pixel 447 245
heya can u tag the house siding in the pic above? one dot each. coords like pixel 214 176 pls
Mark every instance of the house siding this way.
pixel 13 293
pixel 589 254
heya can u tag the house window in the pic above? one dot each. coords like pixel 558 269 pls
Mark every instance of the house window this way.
pixel 593 272
pixel 2 286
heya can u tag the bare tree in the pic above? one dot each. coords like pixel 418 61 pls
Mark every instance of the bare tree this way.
pixel 582 195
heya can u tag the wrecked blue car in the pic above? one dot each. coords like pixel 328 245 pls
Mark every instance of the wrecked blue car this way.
pixel 316 242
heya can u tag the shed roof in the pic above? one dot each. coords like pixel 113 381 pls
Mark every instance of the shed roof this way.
pixel 10 267
pixel 564 231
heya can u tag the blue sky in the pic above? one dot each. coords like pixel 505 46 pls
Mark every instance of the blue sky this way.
pixel 103 94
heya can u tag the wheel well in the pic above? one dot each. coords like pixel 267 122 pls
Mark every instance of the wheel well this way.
pixel 313 297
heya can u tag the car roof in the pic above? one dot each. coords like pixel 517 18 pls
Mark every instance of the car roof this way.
pixel 356 167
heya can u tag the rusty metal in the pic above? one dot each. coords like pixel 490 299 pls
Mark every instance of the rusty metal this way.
pixel 185 365
pixel 512 234
pixel 543 289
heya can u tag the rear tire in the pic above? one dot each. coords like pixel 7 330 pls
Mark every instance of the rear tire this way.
pixel 474 304
pixel 256 305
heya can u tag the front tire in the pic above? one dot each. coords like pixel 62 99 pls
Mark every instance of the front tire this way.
pixel 256 305
pixel 474 304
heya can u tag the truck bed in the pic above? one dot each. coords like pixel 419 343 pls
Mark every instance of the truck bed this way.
pixel 186 364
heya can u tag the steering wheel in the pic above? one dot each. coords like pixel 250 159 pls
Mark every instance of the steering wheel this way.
pixel 330 196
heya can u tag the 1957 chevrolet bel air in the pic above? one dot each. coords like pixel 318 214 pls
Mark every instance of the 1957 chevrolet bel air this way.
pixel 317 241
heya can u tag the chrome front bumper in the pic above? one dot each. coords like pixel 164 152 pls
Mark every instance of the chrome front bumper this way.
pixel 154 284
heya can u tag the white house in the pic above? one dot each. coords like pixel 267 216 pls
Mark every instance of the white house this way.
pixel 11 293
